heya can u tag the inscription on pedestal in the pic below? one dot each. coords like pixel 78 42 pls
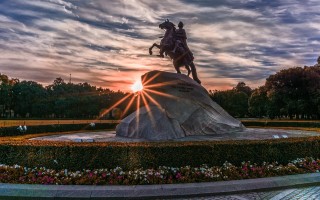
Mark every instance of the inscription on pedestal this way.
pixel 183 87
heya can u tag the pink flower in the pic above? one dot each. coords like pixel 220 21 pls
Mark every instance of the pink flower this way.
pixel 178 176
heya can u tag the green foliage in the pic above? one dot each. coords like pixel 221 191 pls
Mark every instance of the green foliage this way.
pixel 258 102
pixel 13 131
pixel 28 97
pixel 242 87
pixel 294 92
pixel 77 156
pixel 58 100
pixel 282 124
pixel 234 102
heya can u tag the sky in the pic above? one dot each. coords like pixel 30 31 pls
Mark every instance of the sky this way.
pixel 105 42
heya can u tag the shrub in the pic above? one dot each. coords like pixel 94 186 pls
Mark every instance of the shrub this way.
pixel 282 124
pixel 76 156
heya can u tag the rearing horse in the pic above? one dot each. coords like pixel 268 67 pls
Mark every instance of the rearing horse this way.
pixel 180 57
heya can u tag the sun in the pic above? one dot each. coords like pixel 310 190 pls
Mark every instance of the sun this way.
pixel 137 86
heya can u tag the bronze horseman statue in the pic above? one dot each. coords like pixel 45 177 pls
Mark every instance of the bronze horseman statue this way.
pixel 174 44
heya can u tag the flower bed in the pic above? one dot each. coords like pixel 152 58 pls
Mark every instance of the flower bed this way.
pixel 160 175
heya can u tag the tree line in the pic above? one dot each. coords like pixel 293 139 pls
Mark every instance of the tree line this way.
pixel 58 100
pixel 290 93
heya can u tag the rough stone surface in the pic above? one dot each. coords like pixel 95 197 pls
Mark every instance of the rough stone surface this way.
pixel 177 107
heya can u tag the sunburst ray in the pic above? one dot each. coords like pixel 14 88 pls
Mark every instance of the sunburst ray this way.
pixel 148 108
pixel 138 112
pixel 151 99
pixel 148 86
pixel 114 105
pixel 146 82
pixel 128 106
pixel 161 93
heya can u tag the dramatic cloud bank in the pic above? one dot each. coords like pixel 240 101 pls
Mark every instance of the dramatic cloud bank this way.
pixel 106 43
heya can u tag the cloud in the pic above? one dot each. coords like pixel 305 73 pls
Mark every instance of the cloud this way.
pixel 106 43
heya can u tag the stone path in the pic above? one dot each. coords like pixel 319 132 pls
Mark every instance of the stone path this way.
pixel 305 193
pixel 301 186
pixel 247 134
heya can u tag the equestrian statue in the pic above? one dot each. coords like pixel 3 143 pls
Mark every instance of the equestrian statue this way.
pixel 174 44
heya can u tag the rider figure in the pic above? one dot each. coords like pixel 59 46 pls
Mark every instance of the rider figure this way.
pixel 182 38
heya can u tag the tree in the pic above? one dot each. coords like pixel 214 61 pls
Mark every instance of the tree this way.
pixel 258 102
pixel 4 79
pixel 6 96
pixel 234 102
pixel 292 91
pixel 27 98
pixel 242 87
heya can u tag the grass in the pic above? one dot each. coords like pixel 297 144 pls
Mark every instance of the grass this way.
pixel 29 136
pixel 9 123
pixel 278 120
pixel 288 128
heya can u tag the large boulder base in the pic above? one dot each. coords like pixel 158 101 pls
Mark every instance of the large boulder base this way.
pixel 177 107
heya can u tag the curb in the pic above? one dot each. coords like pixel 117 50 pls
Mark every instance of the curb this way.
pixel 25 191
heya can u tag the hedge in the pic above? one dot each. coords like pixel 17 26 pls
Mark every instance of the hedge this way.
pixel 77 156
pixel 13 131
pixel 282 124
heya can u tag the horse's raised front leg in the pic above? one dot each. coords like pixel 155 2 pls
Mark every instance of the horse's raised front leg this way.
pixel 154 45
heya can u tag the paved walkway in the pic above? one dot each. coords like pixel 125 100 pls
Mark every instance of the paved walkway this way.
pixel 305 193
pixel 274 188
pixel 247 134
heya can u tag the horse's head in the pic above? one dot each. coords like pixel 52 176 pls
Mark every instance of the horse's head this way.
pixel 167 25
